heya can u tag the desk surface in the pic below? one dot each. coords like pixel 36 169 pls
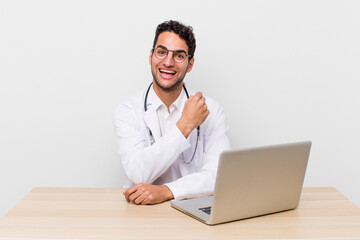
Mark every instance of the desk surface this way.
pixel 87 213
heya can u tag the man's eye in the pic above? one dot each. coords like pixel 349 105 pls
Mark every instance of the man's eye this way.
pixel 161 52
pixel 180 56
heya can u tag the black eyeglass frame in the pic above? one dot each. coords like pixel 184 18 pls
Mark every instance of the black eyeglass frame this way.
pixel 167 53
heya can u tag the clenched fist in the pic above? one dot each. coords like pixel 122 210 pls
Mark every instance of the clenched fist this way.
pixel 194 114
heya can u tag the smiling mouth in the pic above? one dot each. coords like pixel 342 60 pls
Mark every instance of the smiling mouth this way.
pixel 167 72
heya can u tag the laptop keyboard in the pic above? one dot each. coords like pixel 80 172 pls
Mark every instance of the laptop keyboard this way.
pixel 206 210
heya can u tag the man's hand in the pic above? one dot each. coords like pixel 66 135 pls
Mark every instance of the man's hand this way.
pixel 194 114
pixel 148 194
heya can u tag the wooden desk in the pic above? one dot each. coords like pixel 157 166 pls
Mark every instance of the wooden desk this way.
pixel 85 213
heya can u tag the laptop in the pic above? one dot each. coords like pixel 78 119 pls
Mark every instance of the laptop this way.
pixel 252 182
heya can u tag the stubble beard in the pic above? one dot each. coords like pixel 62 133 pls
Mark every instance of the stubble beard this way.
pixel 172 87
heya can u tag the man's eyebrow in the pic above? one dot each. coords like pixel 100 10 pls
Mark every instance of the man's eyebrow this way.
pixel 161 46
pixel 179 50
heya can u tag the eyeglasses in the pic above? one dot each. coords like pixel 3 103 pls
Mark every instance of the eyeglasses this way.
pixel 162 52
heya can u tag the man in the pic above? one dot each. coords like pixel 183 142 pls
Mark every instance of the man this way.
pixel 170 142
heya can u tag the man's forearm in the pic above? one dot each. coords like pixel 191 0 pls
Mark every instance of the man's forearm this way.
pixel 146 164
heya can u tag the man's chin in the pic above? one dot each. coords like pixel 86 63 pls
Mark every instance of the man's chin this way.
pixel 168 87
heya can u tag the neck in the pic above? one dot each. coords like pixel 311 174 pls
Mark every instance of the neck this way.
pixel 167 96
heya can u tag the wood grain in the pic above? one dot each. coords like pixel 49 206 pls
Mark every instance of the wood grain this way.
pixel 94 213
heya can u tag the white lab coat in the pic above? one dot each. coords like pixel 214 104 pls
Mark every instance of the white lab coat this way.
pixel 163 162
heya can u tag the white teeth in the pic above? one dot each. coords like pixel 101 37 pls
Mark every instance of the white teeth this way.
pixel 165 71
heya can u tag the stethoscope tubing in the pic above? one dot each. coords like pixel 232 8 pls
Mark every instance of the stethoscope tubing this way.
pixel 151 135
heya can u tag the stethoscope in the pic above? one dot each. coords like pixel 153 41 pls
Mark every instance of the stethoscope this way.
pixel 152 140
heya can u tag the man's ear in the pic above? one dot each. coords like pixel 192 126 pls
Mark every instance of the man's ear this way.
pixel 191 64
pixel 151 53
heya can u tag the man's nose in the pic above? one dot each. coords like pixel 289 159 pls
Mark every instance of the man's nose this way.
pixel 169 60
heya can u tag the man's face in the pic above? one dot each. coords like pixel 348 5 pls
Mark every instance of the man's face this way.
pixel 167 73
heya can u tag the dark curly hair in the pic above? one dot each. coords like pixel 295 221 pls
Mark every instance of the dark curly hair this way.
pixel 184 32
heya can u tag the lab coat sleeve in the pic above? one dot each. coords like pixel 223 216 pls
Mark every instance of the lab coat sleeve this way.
pixel 203 182
pixel 143 163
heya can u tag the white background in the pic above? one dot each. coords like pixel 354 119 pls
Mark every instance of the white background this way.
pixel 284 71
